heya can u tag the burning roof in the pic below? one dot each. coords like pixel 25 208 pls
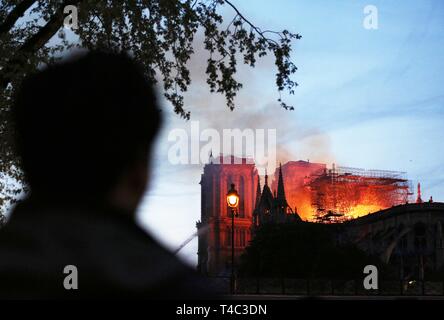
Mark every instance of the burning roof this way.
pixel 341 193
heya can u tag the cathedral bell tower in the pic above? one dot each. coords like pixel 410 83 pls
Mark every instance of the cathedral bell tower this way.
pixel 214 248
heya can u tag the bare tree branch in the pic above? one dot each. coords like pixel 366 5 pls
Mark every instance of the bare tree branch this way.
pixel 258 30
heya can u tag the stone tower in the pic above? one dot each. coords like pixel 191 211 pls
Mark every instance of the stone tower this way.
pixel 214 248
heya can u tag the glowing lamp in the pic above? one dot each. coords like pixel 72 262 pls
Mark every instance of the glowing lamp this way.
pixel 232 197
pixel 233 202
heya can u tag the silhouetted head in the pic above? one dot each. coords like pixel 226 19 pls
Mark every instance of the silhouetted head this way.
pixel 85 129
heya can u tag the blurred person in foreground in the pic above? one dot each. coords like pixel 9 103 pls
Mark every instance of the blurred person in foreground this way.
pixel 85 131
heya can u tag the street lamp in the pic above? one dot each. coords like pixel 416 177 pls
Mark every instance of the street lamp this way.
pixel 232 198
pixel 233 202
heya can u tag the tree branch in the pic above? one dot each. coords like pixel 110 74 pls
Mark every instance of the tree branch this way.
pixel 259 31
pixel 14 15
pixel 35 42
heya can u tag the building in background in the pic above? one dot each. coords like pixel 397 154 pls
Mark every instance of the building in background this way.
pixel 214 247
pixel 409 236
pixel 318 193
pixel 373 206
pixel 272 207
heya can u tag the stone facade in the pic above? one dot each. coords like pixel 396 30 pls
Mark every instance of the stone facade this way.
pixel 214 248
pixel 409 236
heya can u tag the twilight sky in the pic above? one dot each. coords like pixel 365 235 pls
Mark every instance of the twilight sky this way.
pixel 366 98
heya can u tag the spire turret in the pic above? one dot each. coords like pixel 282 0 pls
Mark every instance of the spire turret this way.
pixel 419 199
pixel 258 192
pixel 211 158
pixel 280 189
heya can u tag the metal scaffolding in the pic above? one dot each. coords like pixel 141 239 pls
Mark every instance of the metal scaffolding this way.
pixel 340 193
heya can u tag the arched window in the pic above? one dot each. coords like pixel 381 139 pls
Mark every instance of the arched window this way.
pixel 240 239
pixel 229 182
pixel 241 197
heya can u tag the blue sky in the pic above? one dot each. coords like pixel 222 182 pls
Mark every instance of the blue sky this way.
pixel 366 98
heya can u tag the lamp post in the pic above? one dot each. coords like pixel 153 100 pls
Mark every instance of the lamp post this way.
pixel 233 202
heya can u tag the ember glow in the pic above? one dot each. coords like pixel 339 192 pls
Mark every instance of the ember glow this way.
pixel 318 193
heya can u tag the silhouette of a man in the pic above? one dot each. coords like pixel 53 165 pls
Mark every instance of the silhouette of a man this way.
pixel 85 130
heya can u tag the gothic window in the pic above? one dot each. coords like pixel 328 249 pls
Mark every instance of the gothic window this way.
pixel 228 237
pixel 229 182
pixel 242 197
pixel 240 237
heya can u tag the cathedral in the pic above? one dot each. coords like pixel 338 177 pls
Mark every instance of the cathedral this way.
pixel 272 208
pixel 256 206
pixel 408 235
